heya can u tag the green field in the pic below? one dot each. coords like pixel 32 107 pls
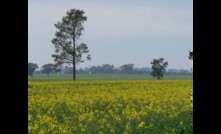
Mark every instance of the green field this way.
pixel 41 77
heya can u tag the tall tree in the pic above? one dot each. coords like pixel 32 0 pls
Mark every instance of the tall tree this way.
pixel 31 68
pixel 158 68
pixel 190 55
pixel 69 32
pixel 47 68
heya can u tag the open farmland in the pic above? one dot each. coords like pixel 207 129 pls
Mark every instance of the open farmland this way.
pixel 44 77
pixel 110 106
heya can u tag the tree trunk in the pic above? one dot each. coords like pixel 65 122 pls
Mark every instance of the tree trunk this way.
pixel 74 73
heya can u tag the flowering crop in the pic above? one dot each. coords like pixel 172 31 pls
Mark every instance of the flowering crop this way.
pixel 105 107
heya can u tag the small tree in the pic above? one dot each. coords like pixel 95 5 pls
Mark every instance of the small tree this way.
pixel 127 68
pixel 47 68
pixel 190 55
pixel 69 31
pixel 31 68
pixel 158 68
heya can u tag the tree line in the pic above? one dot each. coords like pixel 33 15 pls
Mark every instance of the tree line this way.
pixel 100 69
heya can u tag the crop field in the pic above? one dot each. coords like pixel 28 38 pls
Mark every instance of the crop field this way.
pixel 110 107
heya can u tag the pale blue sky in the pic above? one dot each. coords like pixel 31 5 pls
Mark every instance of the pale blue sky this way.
pixel 117 31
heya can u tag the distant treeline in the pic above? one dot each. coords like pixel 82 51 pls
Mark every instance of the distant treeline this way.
pixel 111 69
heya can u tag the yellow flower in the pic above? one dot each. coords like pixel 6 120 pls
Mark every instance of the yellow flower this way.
pixel 83 106
pixel 112 130
pixel 141 124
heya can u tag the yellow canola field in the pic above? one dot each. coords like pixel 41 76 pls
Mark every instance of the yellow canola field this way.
pixel 110 107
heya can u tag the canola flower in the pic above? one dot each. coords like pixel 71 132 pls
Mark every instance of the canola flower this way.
pixel 110 107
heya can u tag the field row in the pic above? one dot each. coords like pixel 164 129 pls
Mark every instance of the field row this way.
pixel 42 77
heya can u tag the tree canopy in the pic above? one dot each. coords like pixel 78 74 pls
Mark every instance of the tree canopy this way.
pixel 31 68
pixel 158 68
pixel 47 68
pixel 127 68
pixel 190 55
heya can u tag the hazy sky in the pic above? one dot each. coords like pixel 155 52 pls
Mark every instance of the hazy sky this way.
pixel 117 31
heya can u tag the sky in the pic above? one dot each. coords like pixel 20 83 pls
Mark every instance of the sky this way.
pixel 117 32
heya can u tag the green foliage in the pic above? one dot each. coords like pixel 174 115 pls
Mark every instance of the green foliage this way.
pixel 158 68
pixel 31 68
pixel 69 31
pixel 127 68
pixel 47 68
pixel 190 55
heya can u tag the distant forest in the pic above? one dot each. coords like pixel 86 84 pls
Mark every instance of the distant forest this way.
pixel 111 69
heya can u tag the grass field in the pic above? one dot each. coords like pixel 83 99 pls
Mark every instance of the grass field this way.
pixel 109 106
pixel 42 77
